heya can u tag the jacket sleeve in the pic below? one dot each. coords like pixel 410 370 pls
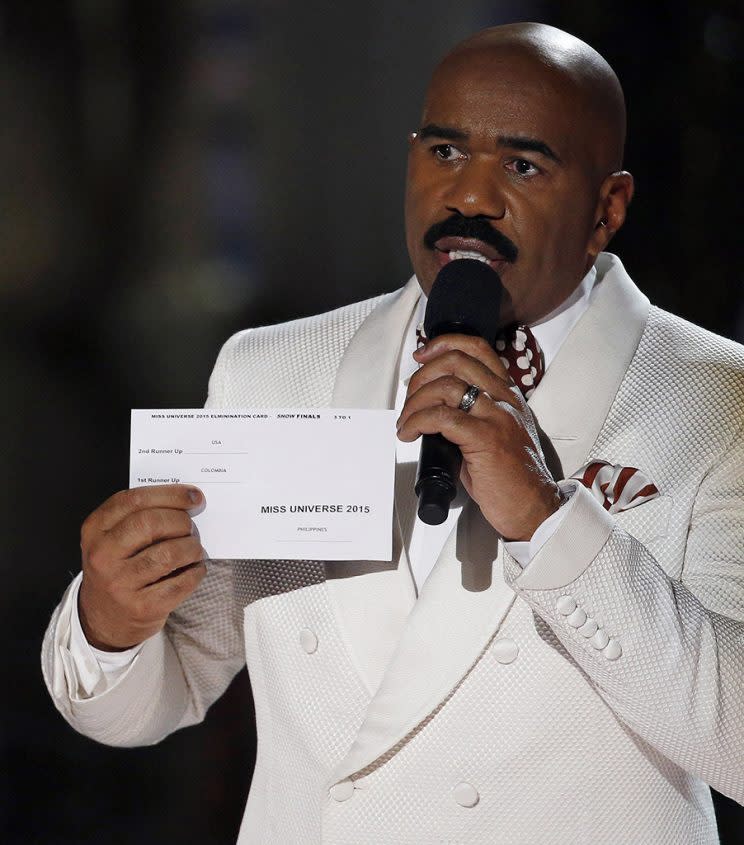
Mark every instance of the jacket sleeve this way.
pixel 171 682
pixel 666 654
pixel 177 674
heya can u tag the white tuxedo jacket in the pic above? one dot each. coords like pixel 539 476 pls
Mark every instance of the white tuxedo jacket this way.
pixel 486 710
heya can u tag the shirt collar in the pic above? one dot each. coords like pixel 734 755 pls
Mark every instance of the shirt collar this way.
pixel 552 330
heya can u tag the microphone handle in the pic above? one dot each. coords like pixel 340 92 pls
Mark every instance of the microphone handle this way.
pixel 439 461
pixel 436 481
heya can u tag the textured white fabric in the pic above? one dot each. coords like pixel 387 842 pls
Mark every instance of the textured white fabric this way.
pixel 587 698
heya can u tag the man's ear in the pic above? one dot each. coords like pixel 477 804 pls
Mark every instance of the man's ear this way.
pixel 614 198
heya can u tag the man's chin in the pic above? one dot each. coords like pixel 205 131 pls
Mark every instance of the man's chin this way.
pixel 426 273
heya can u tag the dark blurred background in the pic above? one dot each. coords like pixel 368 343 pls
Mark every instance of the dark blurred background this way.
pixel 171 172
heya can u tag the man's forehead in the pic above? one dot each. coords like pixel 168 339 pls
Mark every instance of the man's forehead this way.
pixel 497 97
pixel 491 75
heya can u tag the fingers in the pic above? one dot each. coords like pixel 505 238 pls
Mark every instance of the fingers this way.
pixel 433 390
pixel 457 367
pixel 137 531
pixel 159 599
pixel 475 348
pixel 152 562
pixel 166 560
pixel 476 364
pixel 459 427
pixel 126 502
pixel 449 390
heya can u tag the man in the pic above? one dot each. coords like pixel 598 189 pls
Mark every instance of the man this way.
pixel 555 664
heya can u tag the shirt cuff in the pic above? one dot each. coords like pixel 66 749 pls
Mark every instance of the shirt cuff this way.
pixel 95 670
pixel 524 551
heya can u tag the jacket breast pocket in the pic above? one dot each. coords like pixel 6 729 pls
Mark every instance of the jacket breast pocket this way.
pixel 648 521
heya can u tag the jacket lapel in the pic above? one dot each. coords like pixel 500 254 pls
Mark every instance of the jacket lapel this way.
pixel 366 377
pixel 572 400
pixel 371 601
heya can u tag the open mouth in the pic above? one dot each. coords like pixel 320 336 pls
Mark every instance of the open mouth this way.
pixel 452 249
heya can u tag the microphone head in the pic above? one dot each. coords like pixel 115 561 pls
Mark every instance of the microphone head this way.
pixel 465 298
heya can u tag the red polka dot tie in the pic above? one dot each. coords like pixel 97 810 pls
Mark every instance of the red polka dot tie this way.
pixel 521 355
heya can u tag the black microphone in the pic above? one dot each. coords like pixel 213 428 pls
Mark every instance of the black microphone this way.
pixel 465 299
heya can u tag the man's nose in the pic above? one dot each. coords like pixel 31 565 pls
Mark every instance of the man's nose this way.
pixel 475 191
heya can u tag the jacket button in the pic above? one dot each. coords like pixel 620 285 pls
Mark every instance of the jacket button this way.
pixel 577 618
pixel 600 639
pixel 465 794
pixel 612 650
pixel 589 628
pixel 505 650
pixel 308 640
pixel 342 791
pixel 566 605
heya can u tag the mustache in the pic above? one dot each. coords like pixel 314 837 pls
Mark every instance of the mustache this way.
pixel 472 227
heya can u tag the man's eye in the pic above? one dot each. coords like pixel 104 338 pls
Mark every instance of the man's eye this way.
pixel 447 152
pixel 523 167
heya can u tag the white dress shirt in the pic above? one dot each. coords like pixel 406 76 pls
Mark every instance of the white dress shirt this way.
pixel 98 670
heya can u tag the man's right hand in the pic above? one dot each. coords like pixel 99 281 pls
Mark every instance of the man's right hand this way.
pixel 141 558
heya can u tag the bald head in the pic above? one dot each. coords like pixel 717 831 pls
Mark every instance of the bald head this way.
pixel 578 74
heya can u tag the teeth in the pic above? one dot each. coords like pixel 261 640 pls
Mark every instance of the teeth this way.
pixel 456 253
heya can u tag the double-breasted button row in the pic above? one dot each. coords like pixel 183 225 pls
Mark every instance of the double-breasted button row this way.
pixel 577 618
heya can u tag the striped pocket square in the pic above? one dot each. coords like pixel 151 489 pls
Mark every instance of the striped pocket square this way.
pixel 616 488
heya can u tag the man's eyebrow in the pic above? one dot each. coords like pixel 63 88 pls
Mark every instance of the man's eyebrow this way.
pixel 432 130
pixel 534 145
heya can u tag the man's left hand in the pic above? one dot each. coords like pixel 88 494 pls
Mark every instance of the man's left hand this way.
pixel 503 468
